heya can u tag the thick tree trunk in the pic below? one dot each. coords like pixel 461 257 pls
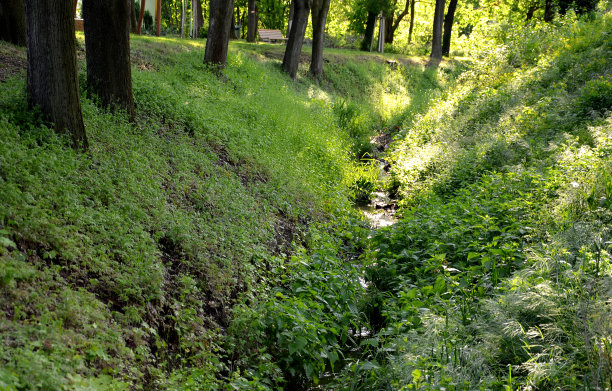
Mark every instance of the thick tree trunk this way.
pixel 107 41
pixel 320 8
pixel 220 20
pixel 52 71
pixel 252 21
pixel 12 22
pixel 436 41
pixel 411 28
pixel 369 31
pixel 296 37
pixel 290 20
pixel 448 27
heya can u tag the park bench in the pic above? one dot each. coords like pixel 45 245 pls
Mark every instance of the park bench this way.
pixel 271 35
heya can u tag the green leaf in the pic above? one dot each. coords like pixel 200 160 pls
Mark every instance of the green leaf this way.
pixel 7 243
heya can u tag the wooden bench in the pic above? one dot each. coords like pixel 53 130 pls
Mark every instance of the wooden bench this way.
pixel 271 35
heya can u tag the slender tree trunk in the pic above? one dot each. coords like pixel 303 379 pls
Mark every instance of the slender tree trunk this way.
pixel 252 21
pixel 320 8
pixel 369 31
pixel 448 27
pixel 76 3
pixel 12 22
pixel 183 11
pixel 142 10
pixel 233 34
pixel 221 12
pixel 296 37
pixel 107 41
pixel 158 12
pixel 411 28
pixel 436 41
pixel 52 71
pixel 290 21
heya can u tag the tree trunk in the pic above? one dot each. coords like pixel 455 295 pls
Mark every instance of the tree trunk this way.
pixel 233 34
pixel 448 27
pixel 411 28
pixel 199 17
pixel 183 11
pixel 221 12
pixel 290 21
pixel 158 13
pixel 320 8
pixel 394 23
pixel 296 37
pixel 142 10
pixel 548 11
pixel 252 21
pixel 107 44
pixel 436 41
pixel 369 31
pixel 52 71
pixel 12 22
pixel 133 17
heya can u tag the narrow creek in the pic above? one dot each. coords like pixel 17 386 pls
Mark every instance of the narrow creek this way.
pixel 380 213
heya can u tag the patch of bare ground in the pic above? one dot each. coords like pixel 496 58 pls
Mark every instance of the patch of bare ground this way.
pixel 13 62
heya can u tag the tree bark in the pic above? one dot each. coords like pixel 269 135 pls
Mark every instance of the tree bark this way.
pixel 158 13
pixel 12 22
pixel 320 8
pixel 233 34
pixel 448 27
pixel 52 71
pixel 133 17
pixel 436 41
pixel 394 23
pixel 107 42
pixel 290 20
pixel 369 31
pixel 252 21
pixel 296 37
pixel 411 28
pixel 220 20
pixel 199 17
pixel 142 10
pixel 549 12
pixel 183 11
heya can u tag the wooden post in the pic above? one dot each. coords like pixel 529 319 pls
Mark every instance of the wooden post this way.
pixel 381 33
pixel 142 9
pixel 158 17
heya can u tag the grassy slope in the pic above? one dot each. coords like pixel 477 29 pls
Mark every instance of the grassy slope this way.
pixel 499 273
pixel 118 268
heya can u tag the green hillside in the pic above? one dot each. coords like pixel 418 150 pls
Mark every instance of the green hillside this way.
pixel 213 242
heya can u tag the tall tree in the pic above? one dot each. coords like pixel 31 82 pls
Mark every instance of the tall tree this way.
pixel 12 22
pixel 448 27
pixel 218 32
pixel 293 50
pixel 158 12
pixel 411 28
pixel 52 71
pixel 197 20
pixel 290 20
pixel 394 22
pixel 142 11
pixel 369 31
pixel 183 12
pixel 320 8
pixel 133 17
pixel 252 21
pixel 107 41
pixel 436 41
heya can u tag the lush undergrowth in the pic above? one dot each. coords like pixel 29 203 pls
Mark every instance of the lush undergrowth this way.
pixel 120 267
pixel 498 274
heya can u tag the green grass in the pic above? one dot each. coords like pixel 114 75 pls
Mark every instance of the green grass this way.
pixel 120 267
